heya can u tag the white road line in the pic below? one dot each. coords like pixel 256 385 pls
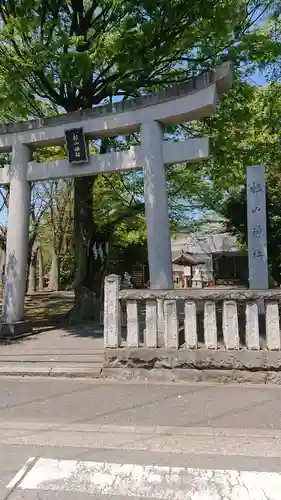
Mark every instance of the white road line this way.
pixel 150 481
pixel 18 477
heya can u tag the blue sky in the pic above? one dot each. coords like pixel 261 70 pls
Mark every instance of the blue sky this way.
pixel 258 78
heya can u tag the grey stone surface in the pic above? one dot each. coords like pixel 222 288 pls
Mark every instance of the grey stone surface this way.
pixel 112 313
pixel 215 325
pixel 252 326
pixel 256 225
pixel 217 294
pixel 17 236
pixel 156 206
pixel 230 324
pixel 160 323
pixel 272 325
pixel 210 325
pixel 14 330
pixel 273 377
pixel 89 370
pixel 195 359
pixel 81 370
pixel 190 324
pixel 150 337
pixel 194 375
pixel 171 324
pixel 132 323
pixel 222 76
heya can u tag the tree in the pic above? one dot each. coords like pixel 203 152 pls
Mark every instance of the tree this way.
pixel 56 229
pixel 235 212
pixel 246 131
pixel 36 263
pixel 77 54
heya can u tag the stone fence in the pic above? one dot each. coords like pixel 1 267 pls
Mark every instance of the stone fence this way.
pixel 230 319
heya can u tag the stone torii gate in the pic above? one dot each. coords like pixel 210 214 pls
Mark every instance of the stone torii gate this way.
pixel 192 100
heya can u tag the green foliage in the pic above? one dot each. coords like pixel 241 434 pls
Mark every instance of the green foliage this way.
pixel 235 212
pixel 63 56
pixel 55 231
pixel 76 54
pixel 118 201
pixel 246 131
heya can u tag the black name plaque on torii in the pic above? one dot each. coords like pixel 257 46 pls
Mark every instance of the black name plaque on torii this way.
pixel 76 145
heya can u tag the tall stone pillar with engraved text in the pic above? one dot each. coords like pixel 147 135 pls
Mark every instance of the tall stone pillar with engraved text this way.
pixel 257 231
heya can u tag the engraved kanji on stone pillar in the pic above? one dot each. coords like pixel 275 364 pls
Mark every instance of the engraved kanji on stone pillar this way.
pixel 112 319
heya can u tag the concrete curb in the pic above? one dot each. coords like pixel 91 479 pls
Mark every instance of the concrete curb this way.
pixel 96 371
pixel 47 370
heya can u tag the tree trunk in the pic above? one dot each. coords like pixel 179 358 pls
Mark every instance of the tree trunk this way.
pixel 84 284
pixel 32 247
pixel 54 276
pixel 32 273
pixel 40 270
pixel 2 264
pixel 89 267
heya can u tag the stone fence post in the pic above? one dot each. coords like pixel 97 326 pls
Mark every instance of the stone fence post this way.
pixel 112 313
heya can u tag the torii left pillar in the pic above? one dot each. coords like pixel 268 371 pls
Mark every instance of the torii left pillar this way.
pixel 17 244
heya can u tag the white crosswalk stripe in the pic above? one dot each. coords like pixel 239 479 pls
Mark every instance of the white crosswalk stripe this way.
pixel 146 481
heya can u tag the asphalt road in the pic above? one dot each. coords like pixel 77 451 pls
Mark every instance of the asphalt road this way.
pixel 69 439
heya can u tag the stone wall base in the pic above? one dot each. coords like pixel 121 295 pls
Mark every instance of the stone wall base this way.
pixel 193 365
pixel 15 330
pixel 193 375
pixel 202 359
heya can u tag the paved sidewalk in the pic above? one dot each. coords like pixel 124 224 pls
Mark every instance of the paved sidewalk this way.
pixel 72 351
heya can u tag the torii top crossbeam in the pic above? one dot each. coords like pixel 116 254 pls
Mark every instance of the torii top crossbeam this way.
pixel 192 100
pixel 195 99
